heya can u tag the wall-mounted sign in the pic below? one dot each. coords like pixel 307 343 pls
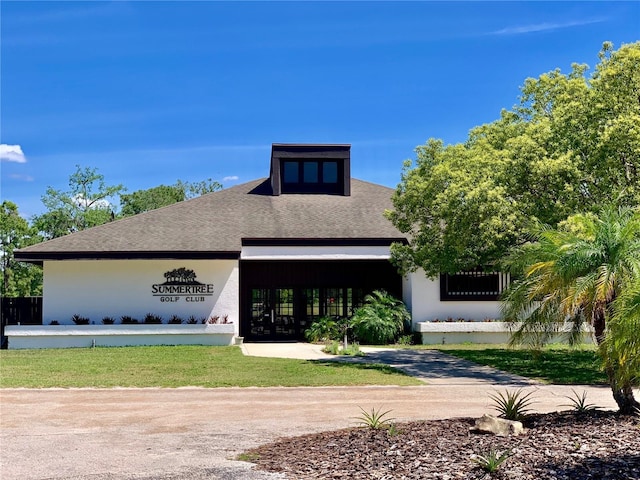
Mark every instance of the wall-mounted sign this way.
pixel 181 283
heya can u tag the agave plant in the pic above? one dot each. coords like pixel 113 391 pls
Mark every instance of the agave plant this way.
pixel 579 402
pixel 512 405
pixel 491 461
pixel 376 419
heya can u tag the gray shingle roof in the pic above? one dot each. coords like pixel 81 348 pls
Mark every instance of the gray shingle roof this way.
pixel 217 222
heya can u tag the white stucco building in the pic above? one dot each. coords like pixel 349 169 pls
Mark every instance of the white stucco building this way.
pixel 268 257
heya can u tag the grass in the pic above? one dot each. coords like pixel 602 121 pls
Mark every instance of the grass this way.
pixel 554 364
pixel 180 366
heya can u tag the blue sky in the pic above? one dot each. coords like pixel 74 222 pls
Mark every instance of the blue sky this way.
pixel 152 92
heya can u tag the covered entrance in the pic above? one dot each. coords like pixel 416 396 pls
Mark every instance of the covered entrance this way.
pixel 280 299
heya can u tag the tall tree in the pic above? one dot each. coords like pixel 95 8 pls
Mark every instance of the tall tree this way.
pixel 144 200
pixel 196 189
pixel 571 145
pixel 587 271
pixel 18 279
pixel 86 204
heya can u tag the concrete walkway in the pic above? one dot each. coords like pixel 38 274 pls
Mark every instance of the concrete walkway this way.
pixel 431 366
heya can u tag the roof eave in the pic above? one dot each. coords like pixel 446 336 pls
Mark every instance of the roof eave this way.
pixel 39 257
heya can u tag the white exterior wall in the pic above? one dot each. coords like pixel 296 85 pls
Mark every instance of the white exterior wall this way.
pixel 425 303
pixel 99 288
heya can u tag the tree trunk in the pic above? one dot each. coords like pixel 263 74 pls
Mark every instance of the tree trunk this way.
pixel 627 404
pixel 623 395
pixel 599 325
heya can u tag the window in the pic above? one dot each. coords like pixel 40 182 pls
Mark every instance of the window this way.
pixel 330 172
pixel 311 176
pixel 290 172
pixel 475 285
pixel 310 172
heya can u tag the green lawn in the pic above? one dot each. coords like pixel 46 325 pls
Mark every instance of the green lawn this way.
pixel 554 364
pixel 177 367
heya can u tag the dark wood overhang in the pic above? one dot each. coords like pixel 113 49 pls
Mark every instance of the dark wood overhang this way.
pixel 39 257
pixel 321 242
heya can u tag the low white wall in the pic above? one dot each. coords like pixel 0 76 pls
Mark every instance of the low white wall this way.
pixel 69 336
pixel 426 305
pixel 440 333
pixel 99 288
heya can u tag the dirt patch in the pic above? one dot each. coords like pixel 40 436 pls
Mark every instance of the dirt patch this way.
pixel 556 446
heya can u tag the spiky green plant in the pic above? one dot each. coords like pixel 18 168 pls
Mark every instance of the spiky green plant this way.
pixel 490 462
pixel 578 403
pixel 512 405
pixel 152 318
pixel 375 420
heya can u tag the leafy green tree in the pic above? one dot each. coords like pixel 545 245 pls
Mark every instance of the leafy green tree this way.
pixel 380 320
pixel 18 279
pixel 144 200
pixel 587 271
pixel 571 145
pixel 196 189
pixel 86 204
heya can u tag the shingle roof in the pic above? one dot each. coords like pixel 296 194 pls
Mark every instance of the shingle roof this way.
pixel 215 224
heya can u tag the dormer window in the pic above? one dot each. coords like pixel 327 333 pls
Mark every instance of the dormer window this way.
pixel 322 169
pixel 310 176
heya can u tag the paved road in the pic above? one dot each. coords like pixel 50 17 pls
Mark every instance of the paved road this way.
pixel 192 433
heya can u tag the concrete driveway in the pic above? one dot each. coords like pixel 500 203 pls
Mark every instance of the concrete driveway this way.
pixel 194 433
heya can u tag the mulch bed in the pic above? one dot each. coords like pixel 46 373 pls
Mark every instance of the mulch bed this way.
pixel 555 446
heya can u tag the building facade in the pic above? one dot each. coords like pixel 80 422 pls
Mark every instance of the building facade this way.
pixel 269 256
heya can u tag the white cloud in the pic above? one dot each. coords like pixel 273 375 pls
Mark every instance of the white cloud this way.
pixel 24 178
pixel 12 153
pixel 544 27
pixel 231 178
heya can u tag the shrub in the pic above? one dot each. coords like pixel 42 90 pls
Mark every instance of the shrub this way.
pixel 151 318
pixel 175 320
pixel 353 350
pixel 54 322
pixel 332 348
pixel 127 320
pixel 192 320
pixel 381 320
pixel 324 329
pixel 212 320
pixel 78 320
pixel 108 321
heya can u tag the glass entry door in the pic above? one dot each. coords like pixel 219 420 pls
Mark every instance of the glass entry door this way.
pixel 273 314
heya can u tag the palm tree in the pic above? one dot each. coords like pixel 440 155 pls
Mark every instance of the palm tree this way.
pixel 580 274
pixel 621 348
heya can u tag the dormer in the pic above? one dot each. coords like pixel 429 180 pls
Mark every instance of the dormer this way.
pixel 318 169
